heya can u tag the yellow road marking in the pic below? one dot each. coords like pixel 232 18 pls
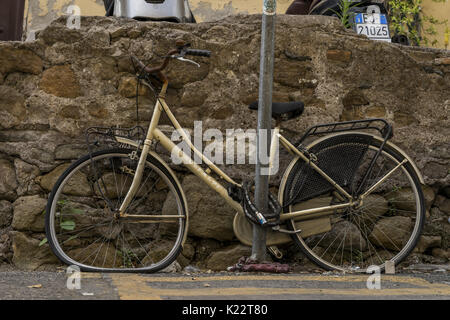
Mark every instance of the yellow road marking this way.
pixel 91 275
pixel 356 278
pixel 150 293
pixel 132 287
pixel 139 287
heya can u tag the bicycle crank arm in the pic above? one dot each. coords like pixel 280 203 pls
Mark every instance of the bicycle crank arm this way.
pixel 275 252
pixel 277 228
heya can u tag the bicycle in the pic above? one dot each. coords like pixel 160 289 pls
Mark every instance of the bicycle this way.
pixel 349 199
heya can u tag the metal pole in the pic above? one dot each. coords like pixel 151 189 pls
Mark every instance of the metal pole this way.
pixel 264 123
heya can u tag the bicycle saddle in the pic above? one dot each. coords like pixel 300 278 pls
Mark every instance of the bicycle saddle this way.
pixel 283 110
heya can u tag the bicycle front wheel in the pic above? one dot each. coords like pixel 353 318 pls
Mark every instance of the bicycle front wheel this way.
pixel 84 228
pixel 384 226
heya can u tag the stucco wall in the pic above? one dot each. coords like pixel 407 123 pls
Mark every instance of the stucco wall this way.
pixel 39 13
pixel 440 11
pixel 208 10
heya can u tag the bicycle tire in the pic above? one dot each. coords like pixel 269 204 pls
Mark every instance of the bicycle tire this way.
pixel 65 252
pixel 316 253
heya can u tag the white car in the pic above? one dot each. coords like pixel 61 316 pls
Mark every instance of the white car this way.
pixel 159 10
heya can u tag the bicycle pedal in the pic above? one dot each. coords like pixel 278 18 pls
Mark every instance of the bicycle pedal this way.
pixel 275 252
pixel 277 228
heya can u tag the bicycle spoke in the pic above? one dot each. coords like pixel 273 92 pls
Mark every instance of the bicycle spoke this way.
pixel 89 233
pixel 135 202
pixel 391 191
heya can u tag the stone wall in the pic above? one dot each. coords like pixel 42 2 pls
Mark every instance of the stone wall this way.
pixel 39 14
pixel 52 89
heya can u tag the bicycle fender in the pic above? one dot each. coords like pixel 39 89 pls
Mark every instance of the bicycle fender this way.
pixel 313 143
pixel 390 144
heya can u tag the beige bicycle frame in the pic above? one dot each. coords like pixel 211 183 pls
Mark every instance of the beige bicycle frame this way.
pixel 154 134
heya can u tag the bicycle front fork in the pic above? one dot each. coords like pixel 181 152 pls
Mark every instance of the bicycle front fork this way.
pixel 137 176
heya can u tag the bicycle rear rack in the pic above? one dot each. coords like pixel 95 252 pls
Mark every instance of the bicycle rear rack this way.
pixel 379 125
pixel 98 136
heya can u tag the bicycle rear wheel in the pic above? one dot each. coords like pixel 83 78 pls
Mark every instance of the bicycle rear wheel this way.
pixel 385 226
pixel 83 226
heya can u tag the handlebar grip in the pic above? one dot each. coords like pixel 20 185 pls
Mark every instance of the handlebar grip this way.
pixel 200 53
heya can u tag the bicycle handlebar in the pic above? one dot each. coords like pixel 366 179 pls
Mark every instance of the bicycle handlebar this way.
pixel 155 69
pixel 179 52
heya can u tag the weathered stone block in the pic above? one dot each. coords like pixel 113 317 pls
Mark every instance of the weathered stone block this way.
pixel 209 215
pixel 405 199
pixel 194 95
pixel 60 33
pixel 429 195
pixel 28 255
pixel 343 56
pixel 403 119
pixel 443 203
pixel 8 182
pixel 12 107
pixel 98 111
pixel 220 260
pixel 127 87
pixel 60 81
pixel 445 61
pixel 181 73
pixel 6 213
pixel 19 60
pixel 375 112
pixel 25 174
pixel 392 232
pixel 78 184
pixel 29 213
pixel 70 151
pixel 6 253
pixel 441 253
pixel 105 68
pixel 352 232
pixel 296 74
pixel 70 112
pixel 355 97
pixel 352 113
pixel 47 181
pixel 427 242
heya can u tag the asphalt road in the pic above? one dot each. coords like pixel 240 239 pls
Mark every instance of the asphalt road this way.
pixel 19 285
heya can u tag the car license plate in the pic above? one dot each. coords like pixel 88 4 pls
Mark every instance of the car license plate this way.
pixel 372 25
